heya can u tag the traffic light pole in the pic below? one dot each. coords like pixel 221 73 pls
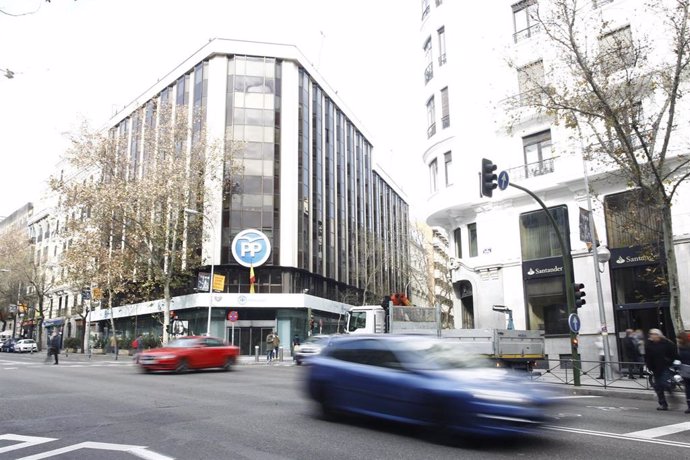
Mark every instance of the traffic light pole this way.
pixel 568 272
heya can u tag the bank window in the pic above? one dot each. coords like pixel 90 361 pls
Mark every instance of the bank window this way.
pixel 433 175
pixel 472 235
pixel 457 239
pixel 538 238
pixel 524 19
pixel 631 220
pixel 547 306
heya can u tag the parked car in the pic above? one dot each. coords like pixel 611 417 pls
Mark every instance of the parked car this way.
pixel 426 382
pixel 310 347
pixel 8 345
pixel 26 345
pixel 188 353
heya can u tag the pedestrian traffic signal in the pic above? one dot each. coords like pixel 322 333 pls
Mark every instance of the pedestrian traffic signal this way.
pixel 488 177
pixel 575 342
pixel 579 294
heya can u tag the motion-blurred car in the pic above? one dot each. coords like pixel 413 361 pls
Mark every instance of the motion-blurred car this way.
pixel 310 347
pixel 8 346
pixel 25 345
pixel 424 381
pixel 187 353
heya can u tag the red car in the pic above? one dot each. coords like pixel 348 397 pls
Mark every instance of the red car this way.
pixel 187 353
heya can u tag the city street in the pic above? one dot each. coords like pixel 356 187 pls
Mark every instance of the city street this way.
pixel 259 411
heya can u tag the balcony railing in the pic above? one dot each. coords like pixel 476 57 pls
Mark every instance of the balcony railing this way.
pixel 425 13
pixel 442 59
pixel 431 130
pixel 538 168
pixel 429 72
pixel 445 121
pixel 526 33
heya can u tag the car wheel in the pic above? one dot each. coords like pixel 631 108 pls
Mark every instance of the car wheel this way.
pixel 182 366
pixel 229 362
pixel 328 412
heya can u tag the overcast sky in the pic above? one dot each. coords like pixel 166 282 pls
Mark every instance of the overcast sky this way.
pixel 82 60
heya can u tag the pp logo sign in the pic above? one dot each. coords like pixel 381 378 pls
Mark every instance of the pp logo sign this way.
pixel 251 247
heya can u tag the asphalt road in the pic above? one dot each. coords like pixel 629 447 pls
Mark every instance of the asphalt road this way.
pixel 108 410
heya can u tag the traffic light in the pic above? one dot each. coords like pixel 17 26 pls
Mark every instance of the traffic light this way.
pixel 579 294
pixel 488 178
pixel 575 342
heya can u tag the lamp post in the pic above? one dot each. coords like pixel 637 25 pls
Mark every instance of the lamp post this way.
pixel 16 311
pixel 212 252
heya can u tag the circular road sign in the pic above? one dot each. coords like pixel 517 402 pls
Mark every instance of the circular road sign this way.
pixel 251 248
pixel 503 180
pixel 574 322
pixel 232 316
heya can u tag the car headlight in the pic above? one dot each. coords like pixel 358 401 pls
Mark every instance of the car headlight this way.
pixel 499 396
pixel 167 357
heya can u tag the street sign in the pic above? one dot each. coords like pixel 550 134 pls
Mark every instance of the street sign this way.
pixel 233 316
pixel 574 322
pixel 251 248
pixel 503 180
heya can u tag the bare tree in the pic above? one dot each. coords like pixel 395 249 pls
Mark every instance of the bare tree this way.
pixel 619 92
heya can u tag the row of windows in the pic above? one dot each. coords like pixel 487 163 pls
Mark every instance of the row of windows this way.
pixel 525 19
pixel 431 113
pixel 429 55
pixel 426 7
pixel 447 170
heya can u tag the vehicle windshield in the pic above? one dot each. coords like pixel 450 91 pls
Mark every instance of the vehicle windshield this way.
pixel 358 320
pixel 438 355
pixel 182 343
pixel 314 339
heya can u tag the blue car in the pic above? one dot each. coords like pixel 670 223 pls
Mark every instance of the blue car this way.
pixel 8 345
pixel 424 381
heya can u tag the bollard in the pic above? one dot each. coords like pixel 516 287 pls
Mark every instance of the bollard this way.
pixel 280 354
pixel 256 353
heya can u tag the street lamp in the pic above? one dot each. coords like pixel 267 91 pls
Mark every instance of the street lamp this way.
pixel 213 249
pixel 16 311
pixel 507 311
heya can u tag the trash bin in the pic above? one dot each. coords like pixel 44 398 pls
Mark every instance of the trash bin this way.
pixel 256 353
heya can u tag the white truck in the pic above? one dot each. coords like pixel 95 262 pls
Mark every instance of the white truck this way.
pixel 509 348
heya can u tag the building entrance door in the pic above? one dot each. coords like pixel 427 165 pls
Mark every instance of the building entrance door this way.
pixel 644 317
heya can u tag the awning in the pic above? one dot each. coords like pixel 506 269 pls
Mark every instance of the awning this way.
pixel 53 322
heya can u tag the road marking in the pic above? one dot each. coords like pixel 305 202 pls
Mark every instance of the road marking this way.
pixel 613 409
pixel 137 451
pixel 625 437
pixel 26 441
pixel 10 368
pixel 661 431
pixel 574 397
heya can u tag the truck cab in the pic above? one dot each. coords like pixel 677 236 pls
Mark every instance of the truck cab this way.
pixel 367 319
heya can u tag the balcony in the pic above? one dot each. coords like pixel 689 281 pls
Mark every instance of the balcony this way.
pixel 526 33
pixel 429 73
pixel 536 169
pixel 445 121
pixel 425 12
pixel 431 130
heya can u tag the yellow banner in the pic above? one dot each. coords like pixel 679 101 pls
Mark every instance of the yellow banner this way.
pixel 218 283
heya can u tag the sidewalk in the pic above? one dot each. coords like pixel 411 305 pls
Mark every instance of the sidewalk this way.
pixel 244 360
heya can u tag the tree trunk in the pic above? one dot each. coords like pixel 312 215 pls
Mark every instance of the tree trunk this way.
pixel 112 322
pixel 166 315
pixel 671 270
pixel 39 324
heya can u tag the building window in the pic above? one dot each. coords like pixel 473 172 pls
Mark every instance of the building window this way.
pixel 426 7
pixel 524 19
pixel 538 154
pixel 441 46
pixel 631 220
pixel 429 60
pixel 538 238
pixel 445 111
pixel 430 117
pixel 531 82
pixel 433 175
pixel 547 305
pixel 457 237
pixel 616 50
pixel 472 235
pixel 448 163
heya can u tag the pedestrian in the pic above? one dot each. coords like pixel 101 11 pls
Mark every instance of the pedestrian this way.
pixel 276 344
pixel 269 347
pixel 660 354
pixel 53 347
pixel 631 353
pixel 138 345
pixel 684 355
pixel 602 357
pixel 639 337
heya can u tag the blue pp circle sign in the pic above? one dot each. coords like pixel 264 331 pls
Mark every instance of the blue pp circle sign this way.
pixel 251 248
pixel 503 180
pixel 574 323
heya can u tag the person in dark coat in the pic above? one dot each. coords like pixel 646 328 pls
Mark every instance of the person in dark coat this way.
pixel 684 355
pixel 631 353
pixel 659 356
pixel 54 346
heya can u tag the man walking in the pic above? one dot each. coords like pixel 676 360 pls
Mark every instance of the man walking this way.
pixel 659 355
pixel 54 347
pixel 631 353
pixel 269 347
